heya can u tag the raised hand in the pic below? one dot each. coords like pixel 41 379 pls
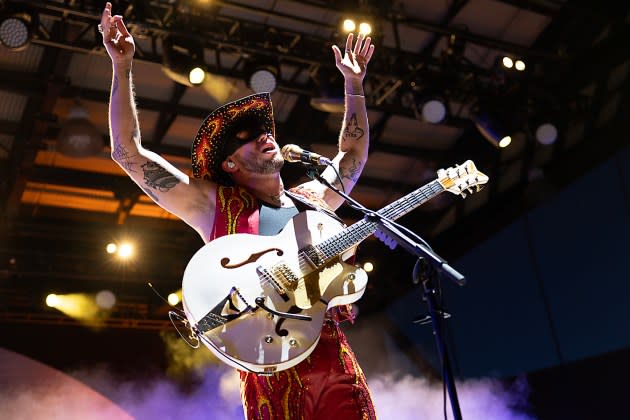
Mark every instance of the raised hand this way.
pixel 354 62
pixel 116 38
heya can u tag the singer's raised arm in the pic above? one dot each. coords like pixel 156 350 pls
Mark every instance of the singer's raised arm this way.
pixel 354 138
pixel 189 199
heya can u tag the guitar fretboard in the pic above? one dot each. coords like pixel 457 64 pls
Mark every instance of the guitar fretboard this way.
pixel 359 231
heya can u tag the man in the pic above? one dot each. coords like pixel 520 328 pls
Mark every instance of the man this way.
pixel 237 188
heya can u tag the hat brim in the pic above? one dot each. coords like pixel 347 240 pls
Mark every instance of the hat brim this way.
pixel 208 148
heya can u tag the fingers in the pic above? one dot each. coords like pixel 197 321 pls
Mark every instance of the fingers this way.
pixel 337 53
pixel 349 43
pixel 106 16
pixel 363 47
pixel 369 53
pixel 121 26
pixel 366 46
pixel 357 47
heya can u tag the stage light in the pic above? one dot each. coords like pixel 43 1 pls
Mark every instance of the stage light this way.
pixel 111 248
pixel 546 134
pixel 183 60
pixel 508 63
pixel 263 78
pixel 79 306
pixel 519 65
pixel 433 111
pixel 105 299
pixel 349 25
pixel 79 137
pixel 17 25
pixel 491 129
pixel 173 299
pixel 368 267
pixel 505 141
pixel 52 300
pixel 365 28
pixel 196 76
pixel 125 250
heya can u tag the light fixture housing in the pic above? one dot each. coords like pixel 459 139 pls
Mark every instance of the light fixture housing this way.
pixel 433 110
pixel 490 127
pixel 546 133
pixel 78 137
pixel 183 60
pixel 262 78
pixel 17 26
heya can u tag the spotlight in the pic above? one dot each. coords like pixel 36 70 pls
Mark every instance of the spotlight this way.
pixel 196 76
pixel 105 299
pixel 368 267
pixel 52 300
pixel 16 27
pixel 79 306
pixel 78 137
pixel 111 248
pixel 491 129
pixel 365 28
pixel 183 60
pixel 125 250
pixel 433 111
pixel 508 63
pixel 349 25
pixel 546 134
pixel 519 65
pixel 263 78
pixel 173 299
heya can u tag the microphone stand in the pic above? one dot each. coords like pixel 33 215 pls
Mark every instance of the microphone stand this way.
pixel 428 267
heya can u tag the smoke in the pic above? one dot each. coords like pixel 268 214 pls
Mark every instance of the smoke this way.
pixel 217 396
pixel 415 398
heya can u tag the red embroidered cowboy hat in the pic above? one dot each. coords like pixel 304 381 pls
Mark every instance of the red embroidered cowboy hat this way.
pixel 219 129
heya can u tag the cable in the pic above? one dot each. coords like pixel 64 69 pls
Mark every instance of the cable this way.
pixel 338 177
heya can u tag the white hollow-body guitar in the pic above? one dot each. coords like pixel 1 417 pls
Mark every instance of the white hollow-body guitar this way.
pixel 258 302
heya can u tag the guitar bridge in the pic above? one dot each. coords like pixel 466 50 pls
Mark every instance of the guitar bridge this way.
pixel 265 275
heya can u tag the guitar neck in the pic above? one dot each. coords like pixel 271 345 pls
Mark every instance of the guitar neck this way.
pixel 356 233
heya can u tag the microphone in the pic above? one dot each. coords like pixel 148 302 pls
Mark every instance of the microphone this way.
pixel 294 153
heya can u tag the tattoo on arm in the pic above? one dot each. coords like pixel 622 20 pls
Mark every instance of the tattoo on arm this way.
pixel 151 194
pixel 350 172
pixel 158 178
pixel 352 130
pixel 122 155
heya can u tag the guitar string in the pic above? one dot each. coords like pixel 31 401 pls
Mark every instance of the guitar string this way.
pixel 334 245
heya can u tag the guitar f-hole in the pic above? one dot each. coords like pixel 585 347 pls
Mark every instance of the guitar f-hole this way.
pixel 225 262
pixel 283 332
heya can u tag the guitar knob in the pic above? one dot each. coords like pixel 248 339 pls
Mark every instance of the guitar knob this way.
pixel 293 342
pixel 268 339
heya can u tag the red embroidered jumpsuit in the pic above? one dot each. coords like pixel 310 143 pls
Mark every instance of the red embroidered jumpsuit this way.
pixel 329 383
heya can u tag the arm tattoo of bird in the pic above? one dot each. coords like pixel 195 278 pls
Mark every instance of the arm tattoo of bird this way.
pixel 158 178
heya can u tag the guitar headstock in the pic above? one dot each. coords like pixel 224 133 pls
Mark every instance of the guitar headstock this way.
pixel 462 179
